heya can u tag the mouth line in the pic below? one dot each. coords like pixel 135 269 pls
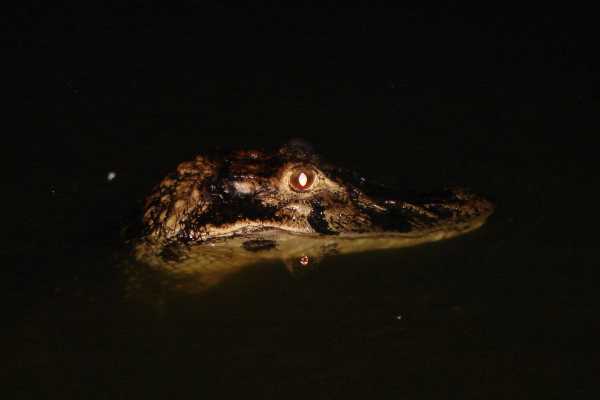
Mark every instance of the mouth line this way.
pixel 252 227
pixel 249 227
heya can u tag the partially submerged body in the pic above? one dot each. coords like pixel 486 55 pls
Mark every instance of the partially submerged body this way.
pixel 217 214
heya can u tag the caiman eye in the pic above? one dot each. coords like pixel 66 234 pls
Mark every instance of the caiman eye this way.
pixel 302 179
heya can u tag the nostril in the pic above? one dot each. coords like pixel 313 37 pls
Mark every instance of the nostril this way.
pixel 487 205
pixel 461 193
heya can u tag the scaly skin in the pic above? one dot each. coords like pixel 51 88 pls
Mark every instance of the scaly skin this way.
pixel 237 208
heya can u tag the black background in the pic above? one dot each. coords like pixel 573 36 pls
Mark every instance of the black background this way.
pixel 502 99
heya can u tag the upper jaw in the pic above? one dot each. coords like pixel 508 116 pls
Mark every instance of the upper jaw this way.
pixel 454 208
pixel 445 209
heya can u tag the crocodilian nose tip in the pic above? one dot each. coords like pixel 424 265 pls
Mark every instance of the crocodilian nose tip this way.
pixel 473 203
pixel 487 206
pixel 481 205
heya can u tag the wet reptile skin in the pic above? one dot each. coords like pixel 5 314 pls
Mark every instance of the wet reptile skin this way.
pixel 238 207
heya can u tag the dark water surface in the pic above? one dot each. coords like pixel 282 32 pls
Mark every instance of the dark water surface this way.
pixel 509 311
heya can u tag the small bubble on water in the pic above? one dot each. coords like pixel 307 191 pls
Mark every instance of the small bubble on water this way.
pixel 111 175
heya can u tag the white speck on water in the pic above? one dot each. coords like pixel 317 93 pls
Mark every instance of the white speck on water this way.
pixel 111 175
pixel 398 317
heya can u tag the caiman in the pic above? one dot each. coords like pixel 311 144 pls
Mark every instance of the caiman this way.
pixel 219 212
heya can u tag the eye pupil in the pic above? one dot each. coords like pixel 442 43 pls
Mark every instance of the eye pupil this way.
pixel 302 179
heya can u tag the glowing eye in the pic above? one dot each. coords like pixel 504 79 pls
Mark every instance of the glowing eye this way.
pixel 302 179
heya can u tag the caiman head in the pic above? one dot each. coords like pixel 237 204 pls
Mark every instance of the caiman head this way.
pixel 291 204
